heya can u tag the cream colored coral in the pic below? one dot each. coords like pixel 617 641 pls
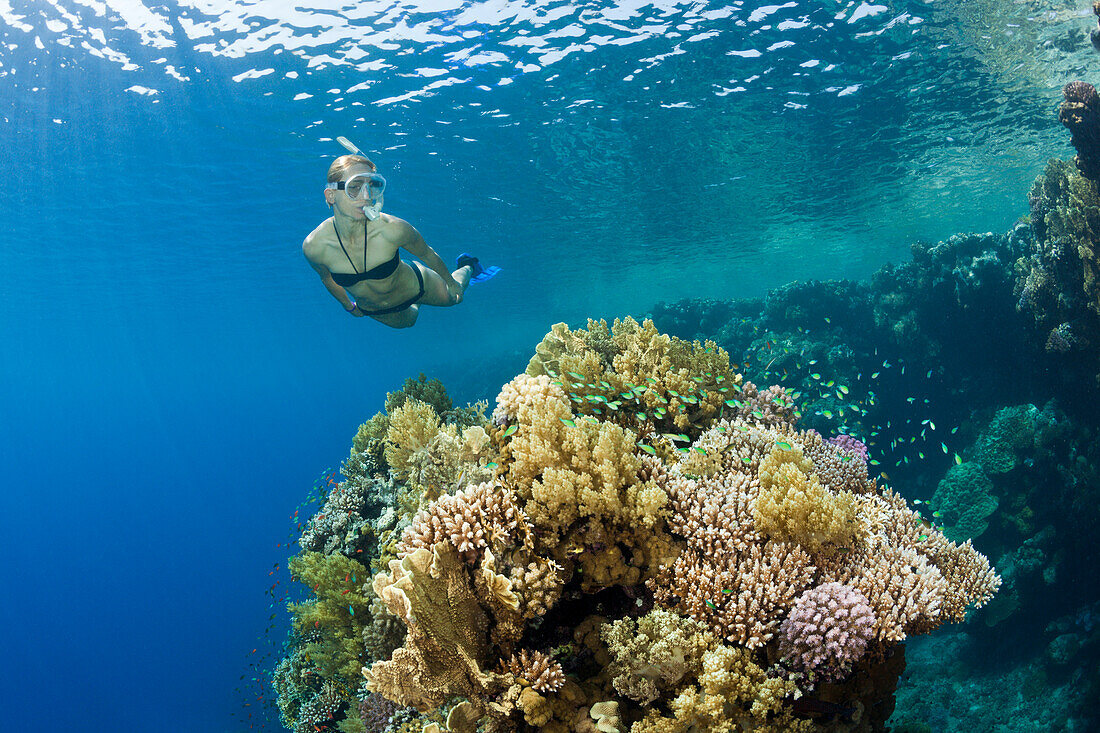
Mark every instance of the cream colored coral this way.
pixel 742 597
pixel 539 584
pixel 470 520
pixel 733 694
pixel 536 670
pixel 836 468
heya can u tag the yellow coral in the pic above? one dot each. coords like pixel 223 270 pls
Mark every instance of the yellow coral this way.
pixel 412 426
pixel 795 507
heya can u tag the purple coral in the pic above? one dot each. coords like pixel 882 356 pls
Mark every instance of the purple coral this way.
pixel 827 630
pixel 376 712
pixel 850 444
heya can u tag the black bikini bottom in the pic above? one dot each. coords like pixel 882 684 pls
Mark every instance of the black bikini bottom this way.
pixel 407 303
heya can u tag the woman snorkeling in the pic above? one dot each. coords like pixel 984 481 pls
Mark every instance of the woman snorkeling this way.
pixel 355 251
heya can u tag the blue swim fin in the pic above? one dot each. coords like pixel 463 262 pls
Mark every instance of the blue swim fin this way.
pixel 480 274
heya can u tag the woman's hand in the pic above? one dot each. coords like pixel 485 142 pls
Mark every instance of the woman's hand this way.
pixel 455 291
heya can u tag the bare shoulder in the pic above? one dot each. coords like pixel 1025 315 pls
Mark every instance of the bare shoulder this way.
pixel 316 242
pixel 399 231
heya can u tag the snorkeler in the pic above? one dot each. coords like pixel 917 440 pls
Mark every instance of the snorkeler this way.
pixel 382 286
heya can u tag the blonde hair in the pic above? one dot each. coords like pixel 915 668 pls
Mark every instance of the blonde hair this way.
pixel 341 165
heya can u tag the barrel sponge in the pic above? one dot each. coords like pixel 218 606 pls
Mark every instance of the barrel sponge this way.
pixel 795 507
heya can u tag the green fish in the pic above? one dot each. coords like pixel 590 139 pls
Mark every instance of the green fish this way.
pixel 727 591
pixel 640 415
pixel 827 414
pixel 648 449
pixel 551 373
pixel 746 460
pixel 937 514
pixel 958 459
pixel 697 449
pixel 711 606
pixel 874 375
pixel 557 384
pixel 570 423
pixel 681 450
pixel 758 415
pixel 575 375
pixel 944 446
pixel 845 459
pixel 843 389
pixel 491 464
pixel 874 462
pixel 923 537
pixel 511 430
pixel 784 445
pixel 815 375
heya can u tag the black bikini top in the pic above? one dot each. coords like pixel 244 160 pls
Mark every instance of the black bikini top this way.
pixel 380 272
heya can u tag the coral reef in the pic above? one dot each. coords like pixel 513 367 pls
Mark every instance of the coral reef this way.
pixel 1058 282
pixel 648 546
pixel 1080 112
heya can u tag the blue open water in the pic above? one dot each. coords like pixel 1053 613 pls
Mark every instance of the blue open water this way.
pixel 174 377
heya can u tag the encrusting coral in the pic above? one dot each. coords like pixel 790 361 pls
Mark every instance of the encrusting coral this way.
pixel 647 547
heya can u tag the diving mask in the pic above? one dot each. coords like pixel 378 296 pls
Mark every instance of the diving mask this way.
pixel 365 187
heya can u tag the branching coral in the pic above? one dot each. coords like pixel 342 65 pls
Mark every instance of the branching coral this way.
pixel 536 670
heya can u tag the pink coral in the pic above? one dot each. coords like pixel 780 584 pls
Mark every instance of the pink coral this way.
pixel 827 630
pixel 850 444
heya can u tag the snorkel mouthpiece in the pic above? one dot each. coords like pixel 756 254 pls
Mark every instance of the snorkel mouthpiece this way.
pixel 374 209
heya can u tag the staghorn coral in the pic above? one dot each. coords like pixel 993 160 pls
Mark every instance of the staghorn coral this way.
pixel 827 630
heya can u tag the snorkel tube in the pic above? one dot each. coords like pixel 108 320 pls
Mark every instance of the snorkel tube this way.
pixel 374 208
